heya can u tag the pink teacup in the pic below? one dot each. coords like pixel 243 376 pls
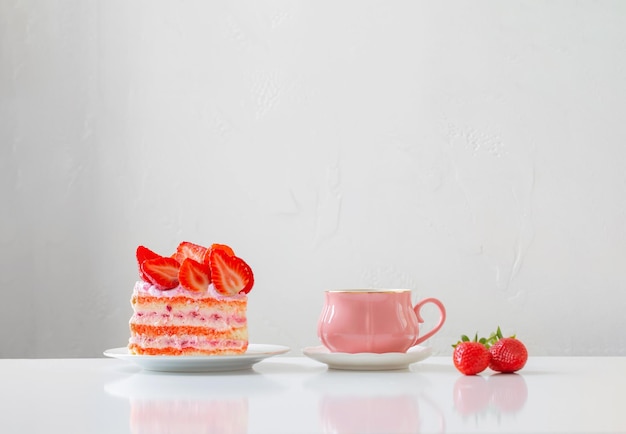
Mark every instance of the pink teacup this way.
pixel 373 320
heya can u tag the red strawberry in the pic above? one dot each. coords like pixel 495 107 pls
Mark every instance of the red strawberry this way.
pixel 142 254
pixel 189 250
pixel 194 276
pixel 162 272
pixel 471 357
pixel 223 247
pixel 507 354
pixel 230 274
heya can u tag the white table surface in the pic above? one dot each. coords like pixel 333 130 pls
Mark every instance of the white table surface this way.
pixel 287 394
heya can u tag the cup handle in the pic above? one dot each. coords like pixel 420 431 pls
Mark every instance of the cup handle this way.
pixel 442 317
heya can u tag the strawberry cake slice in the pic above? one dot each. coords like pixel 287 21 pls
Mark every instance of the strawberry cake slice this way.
pixel 190 303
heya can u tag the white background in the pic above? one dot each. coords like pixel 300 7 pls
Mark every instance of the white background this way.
pixel 471 151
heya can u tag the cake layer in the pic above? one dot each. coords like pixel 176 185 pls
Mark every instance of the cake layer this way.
pixel 207 332
pixel 183 339
pixel 187 340
pixel 235 343
pixel 170 351
pixel 188 316
pixel 182 312
pixel 206 301
pixel 183 322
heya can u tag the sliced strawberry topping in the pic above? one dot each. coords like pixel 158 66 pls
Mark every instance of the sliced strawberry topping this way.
pixel 194 276
pixel 189 250
pixel 223 247
pixel 227 249
pixel 142 254
pixel 230 274
pixel 162 272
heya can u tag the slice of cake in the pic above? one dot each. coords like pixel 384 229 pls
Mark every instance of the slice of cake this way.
pixel 191 303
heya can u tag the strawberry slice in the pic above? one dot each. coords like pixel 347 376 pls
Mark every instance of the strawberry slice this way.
pixel 162 272
pixel 194 276
pixel 230 274
pixel 229 251
pixel 189 250
pixel 223 247
pixel 142 254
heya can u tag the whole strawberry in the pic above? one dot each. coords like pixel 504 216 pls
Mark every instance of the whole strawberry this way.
pixel 507 354
pixel 471 357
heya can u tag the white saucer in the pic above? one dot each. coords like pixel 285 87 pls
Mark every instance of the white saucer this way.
pixel 254 354
pixel 368 361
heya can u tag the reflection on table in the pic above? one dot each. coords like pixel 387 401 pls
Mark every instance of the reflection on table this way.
pixel 497 393
pixel 385 403
pixel 189 416
pixel 189 403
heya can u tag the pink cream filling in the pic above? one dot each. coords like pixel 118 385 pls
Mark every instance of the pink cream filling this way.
pixel 212 319
pixel 186 341
pixel 147 288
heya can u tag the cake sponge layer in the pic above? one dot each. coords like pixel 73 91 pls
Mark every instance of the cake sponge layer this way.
pixel 178 324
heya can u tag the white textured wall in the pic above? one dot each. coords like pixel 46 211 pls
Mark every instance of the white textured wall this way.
pixel 472 151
